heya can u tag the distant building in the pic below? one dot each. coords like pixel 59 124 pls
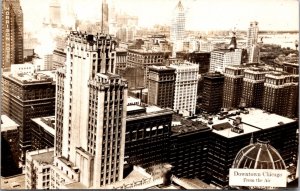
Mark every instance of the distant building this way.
pixel 177 31
pixel 42 132
pixel 234 131
pixel 134 76
pixel 104 18
pixel 58 59
pixel 185 96
pixel 291 68
pixel 219 59
pixel 147 134
pixel 38 169
pixel 121 59
pixel 33 96
pixel 281 94
pixel 161 86
pixel 54 13
pixel 252 47
pixel 200 58
pixel 253 86
pixel 9 147
pixel 188 148
pixel 212 96
pixel 48 62
pixel 144 58
pixel 12 30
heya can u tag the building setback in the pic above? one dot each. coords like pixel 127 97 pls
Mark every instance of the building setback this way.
pixel 212 96
pixel 27 96
pixel 233 86
pixel 90 115
pixel 161 86
pixel 12 30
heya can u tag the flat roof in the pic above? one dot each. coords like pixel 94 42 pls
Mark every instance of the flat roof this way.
pixel 7 124
pixel 35 78
pixel 8 183
pixel 134 107
pixel 46 127
pixel 43 155
pixel 256 120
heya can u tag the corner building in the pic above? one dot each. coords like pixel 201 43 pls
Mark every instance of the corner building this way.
pixel 90 115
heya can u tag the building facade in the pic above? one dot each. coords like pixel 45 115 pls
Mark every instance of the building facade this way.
pixel 42 132
pixel 161 86
pixel 144 58
pixel 185 96
pixel 177 31
pixel 219 59
pixel 252 46
pixel 281 94
pixel 121 59
pixel 253 87
pixel 90 114
pixel 27 96
pixel 58 59
pixel 147 135
pixel 212 96
pixel 12 30
pixel 233 86
pixel 9 147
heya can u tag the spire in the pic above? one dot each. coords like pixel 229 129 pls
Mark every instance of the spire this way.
pixel 233 43
pixel 251 140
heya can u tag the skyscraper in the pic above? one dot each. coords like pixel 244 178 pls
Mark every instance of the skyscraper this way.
pixel 161 86
pixel 186 83
pixel 54 17
pixel 233 86
pixel 219 59
pixel 12 33
pixel 104 17
pixel 252 48
pixel 90 115
pixel 178 27
pixel 212 92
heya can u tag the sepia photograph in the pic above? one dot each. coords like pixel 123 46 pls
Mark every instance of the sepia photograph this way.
pixel 149 94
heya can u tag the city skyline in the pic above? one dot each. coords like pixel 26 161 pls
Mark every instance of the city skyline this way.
pixel 200 14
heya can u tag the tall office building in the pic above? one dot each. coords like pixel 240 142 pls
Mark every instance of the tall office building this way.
pixel 219 59
pixel 54 16
pixel 178 27
pixel 186 83
pixel 104 17
pixel 27 96
pixel 233 86
pixel 90 115
pixel 252 34
pixel 212 96
pixel 12 33
pixel 253 87
pixel 281 94
pixel 252 47
pixel 161 86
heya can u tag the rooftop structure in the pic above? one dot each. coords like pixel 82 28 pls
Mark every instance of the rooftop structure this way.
pixel 8 124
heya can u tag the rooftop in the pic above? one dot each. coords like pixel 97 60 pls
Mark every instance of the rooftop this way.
pixel 8 124
pixel 35 78
pixel 13 182
pixel 47 123
pixel 43 156
pixel 181 125
pixel 151 111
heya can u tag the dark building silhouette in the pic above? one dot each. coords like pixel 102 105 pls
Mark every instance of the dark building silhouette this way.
pixel 212 95
pixel 12 33
pixel 188 148
pixel 59 58
pixel 27 96
pixel 42 132
pixel 233 86
pixel 291 68
pixel 281 94
pixel 9 147
pixel 253 87
pixel 161 86
pixel 134 76
pixel 147 134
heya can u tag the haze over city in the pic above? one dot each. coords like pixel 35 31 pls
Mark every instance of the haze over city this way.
pixel 200 14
